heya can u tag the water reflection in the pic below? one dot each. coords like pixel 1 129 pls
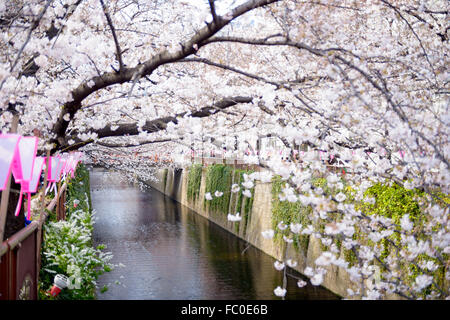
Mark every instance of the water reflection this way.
pixel 170 252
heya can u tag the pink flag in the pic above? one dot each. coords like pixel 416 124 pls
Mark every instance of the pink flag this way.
pixel 31 186
pixel 61 166
pixel 24 159
pixel 70 166
pixel 52 173
pixel 76 159
pixel 23 165
pixel 37 170
pixel 8 147
pixel 53 168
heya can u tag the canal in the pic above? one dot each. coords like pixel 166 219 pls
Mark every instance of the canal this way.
pixel 169 252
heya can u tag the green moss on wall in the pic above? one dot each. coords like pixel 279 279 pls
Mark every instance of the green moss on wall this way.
pixel 194 181
pixel 391 200
pixel 165 172
pixel 244 204
pixel 218 178
pixel 287 212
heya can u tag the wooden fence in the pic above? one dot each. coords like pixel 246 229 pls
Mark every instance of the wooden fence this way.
pixel 20 254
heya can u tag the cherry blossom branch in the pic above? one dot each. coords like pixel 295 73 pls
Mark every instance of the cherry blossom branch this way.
pixel 414 33
pixel 113 31
pixel 107 79
pixel 132 145
pixel 155 125
pixel 396 108
pixel 323 53
pixel 30 68
pixel 278 84
pixel 33 26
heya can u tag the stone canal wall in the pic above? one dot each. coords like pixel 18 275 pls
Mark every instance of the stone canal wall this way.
pixel 174 183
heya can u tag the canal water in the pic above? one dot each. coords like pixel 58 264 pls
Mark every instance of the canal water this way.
pixel 167 251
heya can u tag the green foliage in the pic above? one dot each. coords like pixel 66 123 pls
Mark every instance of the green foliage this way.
pixel 350 257
pixel 218 178
pixel 389 200
pixel 194 181
pixel 287 212
pixel 394 201
pixel 78 187
pixel 320 182
pixel 320 224
pixel 67 247
pixel 238 179
pixel 51 215
pixel 244 204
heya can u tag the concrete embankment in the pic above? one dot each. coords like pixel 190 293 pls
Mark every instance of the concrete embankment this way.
pixel 174 183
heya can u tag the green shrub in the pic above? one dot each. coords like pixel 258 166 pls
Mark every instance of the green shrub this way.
pixel 394 201
pixel 77 187
pixel 67 247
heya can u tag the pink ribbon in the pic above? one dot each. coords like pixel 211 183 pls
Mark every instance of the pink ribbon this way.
pixel 19 204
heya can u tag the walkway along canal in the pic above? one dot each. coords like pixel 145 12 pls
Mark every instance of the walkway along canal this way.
pixel 171 252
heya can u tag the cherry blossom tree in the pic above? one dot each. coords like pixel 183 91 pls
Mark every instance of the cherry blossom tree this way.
pixel 361 85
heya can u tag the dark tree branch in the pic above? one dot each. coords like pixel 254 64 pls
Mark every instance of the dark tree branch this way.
pixel 131 145
pixel 213 10
pixel 33 26
pixel 113 31
pixel 155 125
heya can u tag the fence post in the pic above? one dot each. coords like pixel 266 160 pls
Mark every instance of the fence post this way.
pixel 4 207
pixel 60 203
